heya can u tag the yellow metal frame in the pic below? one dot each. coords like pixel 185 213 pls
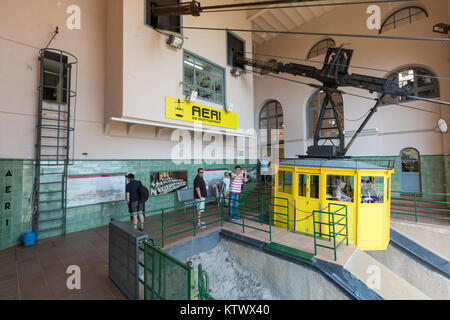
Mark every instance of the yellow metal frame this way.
pixel 368 223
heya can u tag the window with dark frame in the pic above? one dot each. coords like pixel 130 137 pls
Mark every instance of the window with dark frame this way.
pixel 423 81
pixel 271 118
pixel 205 77
pixel 402 17
pixel 313 110
pixel 321 48
pixel 169 23
pixel 235 47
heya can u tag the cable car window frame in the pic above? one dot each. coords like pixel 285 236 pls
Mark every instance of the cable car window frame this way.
pixel 341 178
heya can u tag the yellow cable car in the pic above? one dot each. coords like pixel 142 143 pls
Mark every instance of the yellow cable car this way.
pixel 312 184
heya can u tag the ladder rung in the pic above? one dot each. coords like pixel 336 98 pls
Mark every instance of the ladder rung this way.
pixel 50 229
pixel 50 220
pixel 47 192
pixel 49 137
pixel 54 119
pixel 55 127
pixel 50 173
pixel 50 146
pixel 50 201
pixel 51 210
pixel 54 110
pixel 54 102
pixel 53 182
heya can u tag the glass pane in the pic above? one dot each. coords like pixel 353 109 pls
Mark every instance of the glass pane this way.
pixel 372 189
pixel 285 182
pixel 410 154
pixel 314 101
pixel 314 187
pixel 313 116
pixel 340 188
pixel 273 109
pixel 263 112
pixel 302 185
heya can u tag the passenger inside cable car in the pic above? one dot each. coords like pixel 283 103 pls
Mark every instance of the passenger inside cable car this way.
pixel 369 193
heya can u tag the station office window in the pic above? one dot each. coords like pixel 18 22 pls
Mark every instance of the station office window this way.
pixel 205 77
pixel 285 181
pixel 372 189
pixel 235 47
pixel 170 23
pixel 340 188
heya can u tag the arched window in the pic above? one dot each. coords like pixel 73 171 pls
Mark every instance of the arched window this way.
pixel 320 48
pixel 313 110
pixel 424 82
pixel 271 117
pixel 410 160
pixel 402 17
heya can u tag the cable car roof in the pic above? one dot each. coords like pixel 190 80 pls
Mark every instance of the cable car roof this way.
pixel 333 164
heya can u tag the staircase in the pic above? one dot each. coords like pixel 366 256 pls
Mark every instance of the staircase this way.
pixel 53 142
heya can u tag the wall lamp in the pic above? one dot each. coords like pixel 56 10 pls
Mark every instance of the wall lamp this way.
pixel 441 28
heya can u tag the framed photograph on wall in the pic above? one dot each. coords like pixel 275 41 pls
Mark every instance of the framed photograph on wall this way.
pixel 167 182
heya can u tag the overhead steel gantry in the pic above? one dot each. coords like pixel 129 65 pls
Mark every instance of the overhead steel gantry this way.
pixel 333 74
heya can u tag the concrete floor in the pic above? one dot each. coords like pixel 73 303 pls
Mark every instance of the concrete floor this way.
pixel 39 272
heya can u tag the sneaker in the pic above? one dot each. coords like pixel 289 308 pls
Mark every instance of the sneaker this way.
pixel 200 226
pixel 203 223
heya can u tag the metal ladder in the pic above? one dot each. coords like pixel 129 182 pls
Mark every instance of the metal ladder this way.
pixel 56 101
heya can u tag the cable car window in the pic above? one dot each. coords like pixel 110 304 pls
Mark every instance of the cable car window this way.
pixel 372 189
pixel 285 181
pixel 340 188
pixel 314 187
pixel 302 185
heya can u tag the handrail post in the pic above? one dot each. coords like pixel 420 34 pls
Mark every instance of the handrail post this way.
pixel 270 222
pixel 162 225
pixel 346 223
pixel 222 204
pixel 287 212
pixel 194 212
pixel 261 207
pixel 334 237
pixel 415 206
pixel 314 230
pixel 241 211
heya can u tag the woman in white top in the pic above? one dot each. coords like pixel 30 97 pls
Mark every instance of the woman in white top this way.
pixel 226 186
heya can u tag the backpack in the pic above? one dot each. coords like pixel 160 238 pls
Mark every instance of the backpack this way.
pixel 142 193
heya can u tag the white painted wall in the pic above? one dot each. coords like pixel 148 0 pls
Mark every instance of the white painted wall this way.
pixel 125 69
pixel 398 127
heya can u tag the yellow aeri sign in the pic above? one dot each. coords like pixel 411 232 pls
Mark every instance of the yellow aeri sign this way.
pixel 178 109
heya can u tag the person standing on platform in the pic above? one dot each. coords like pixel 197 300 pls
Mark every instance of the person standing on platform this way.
pixel 237 180
pixel 200 197
pixel 135 207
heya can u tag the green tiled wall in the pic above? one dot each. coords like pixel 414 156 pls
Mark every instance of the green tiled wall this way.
pixel 435 172
pixel 17 220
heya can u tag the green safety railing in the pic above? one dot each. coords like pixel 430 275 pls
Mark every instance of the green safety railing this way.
pixel 203 284
pixel 167 219
pixel 421 205
pixel 334 216
pixel 166 278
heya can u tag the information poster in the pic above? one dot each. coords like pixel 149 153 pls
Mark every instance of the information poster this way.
pixel 95 189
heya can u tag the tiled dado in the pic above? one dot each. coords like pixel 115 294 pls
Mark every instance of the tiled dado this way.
pixel 16 186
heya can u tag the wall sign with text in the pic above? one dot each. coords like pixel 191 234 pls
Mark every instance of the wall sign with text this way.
pixel 177 109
